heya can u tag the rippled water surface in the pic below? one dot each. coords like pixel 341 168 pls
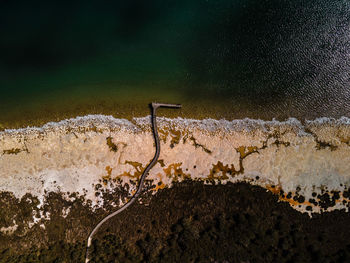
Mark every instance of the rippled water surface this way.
pixel 222 59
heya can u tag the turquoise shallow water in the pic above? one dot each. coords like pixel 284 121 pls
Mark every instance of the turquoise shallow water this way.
pixel 222 59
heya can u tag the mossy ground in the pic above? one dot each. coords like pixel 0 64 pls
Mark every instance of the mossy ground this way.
pixel 192 222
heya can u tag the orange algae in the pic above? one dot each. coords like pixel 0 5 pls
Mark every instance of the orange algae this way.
pixel 174 134
pixel 224 169
pixel 160 185
pixel 244 151
pixel 163 134
pixel 174 170
pixel 283 197
pixel 138 170
pixel 175 137
pixel 107 177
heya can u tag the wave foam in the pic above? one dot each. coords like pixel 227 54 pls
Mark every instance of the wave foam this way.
pixel 306 164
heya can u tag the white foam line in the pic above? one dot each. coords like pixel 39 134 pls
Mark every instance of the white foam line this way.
pixel 109 121
pixel 70 156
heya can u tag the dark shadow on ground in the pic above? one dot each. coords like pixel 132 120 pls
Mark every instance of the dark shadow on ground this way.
pixel 192 222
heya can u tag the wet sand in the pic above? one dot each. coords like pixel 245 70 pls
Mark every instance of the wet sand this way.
pixel 37 114
pixel 22 115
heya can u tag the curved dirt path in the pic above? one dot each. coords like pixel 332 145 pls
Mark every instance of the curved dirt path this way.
pixel 154 106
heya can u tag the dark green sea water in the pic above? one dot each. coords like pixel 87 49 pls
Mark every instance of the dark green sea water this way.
pixel 221 59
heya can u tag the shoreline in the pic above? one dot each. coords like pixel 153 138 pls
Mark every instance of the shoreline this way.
pixel 24 114
pixel 213 177
pixel 306 165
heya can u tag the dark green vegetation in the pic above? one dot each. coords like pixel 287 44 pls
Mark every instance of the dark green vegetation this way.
pixel 196 223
